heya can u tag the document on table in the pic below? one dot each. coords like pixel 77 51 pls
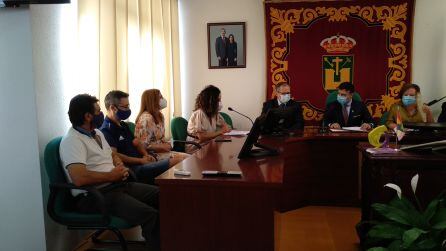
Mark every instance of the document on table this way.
pixel 349 129
pixel 354 128
pixel 236 133
pixel 337 130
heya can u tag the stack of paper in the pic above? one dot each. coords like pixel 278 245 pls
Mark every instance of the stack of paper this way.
pixel 349 129
pixel 236 133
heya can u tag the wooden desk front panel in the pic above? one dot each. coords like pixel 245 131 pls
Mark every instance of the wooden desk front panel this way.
pixel 203 218
pixel 321 170
pixel 399 168
pixel 202 214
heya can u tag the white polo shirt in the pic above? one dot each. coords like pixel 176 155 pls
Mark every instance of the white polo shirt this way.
pixel 80 148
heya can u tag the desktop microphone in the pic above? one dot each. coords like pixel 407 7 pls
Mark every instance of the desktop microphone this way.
pixel 433 102
pixel 232 110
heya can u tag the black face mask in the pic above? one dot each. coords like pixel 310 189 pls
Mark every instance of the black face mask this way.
pixel 123 115
pixel 98 120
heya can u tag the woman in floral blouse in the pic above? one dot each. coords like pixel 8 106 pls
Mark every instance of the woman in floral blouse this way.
pixel 149 127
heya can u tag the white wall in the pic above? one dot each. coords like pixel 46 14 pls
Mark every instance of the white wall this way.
pixel 245 88
pixel 429 50
pixel 53 39
pixel 242 88
pixel 21 210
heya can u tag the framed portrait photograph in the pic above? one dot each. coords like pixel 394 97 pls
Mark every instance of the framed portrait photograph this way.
pixel 226 45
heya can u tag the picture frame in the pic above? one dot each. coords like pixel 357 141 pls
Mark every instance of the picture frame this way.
pixel 223 51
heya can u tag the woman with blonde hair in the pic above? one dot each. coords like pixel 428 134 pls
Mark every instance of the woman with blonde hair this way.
pixel 149 128
pixel 410 108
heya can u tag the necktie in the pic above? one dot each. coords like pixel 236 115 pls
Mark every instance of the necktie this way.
pixel 345 114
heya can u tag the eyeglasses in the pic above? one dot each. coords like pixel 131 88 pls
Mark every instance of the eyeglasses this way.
pixel 121 107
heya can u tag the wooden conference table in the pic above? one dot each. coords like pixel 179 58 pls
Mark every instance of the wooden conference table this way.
pixel 202 214
pixel 198 213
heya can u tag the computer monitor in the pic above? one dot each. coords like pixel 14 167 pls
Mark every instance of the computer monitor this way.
pixel 279 120
pixel 251 141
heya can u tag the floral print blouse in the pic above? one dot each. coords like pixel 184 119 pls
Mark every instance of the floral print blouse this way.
pixel 148 131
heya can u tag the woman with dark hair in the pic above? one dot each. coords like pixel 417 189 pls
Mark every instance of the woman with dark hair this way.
pixel 410 108
pixel 206 123
pixel 232 51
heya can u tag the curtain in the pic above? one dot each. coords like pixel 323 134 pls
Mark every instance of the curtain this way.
pixel 131 45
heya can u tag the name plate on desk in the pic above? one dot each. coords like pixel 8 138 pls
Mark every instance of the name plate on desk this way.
pixel 222 173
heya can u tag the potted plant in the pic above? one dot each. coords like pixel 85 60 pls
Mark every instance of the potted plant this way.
pixel 405 226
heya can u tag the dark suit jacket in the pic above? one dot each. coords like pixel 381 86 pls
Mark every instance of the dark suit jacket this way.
pixel 299 121
pixel 357 116
pixel 442 117
pixel 232 51
pixel 221 48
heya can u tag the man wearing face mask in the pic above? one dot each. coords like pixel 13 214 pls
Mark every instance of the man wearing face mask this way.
pixel 346 112
pixel 87 160
pixel 121 140
pixel 283 100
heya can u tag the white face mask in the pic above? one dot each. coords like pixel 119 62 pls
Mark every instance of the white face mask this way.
pixel 163 103
pixel 284 98
pixel 220 106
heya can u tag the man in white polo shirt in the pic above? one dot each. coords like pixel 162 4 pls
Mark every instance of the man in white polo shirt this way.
pixel 88 160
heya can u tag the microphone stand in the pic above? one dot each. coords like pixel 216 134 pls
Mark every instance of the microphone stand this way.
pixel 433 102
pixel 232 110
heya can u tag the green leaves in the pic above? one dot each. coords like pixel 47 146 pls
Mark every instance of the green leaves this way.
pixel 386 231
pixel 440 225
pixel 377 249
pixel 392 213
pixel 427 244
pixel 406 227
pixel 395 245
pixel 410 236
pixel 431 209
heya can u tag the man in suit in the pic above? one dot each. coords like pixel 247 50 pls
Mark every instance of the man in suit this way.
pixel 347 112
pixel 283 100
pixel 442 117
pixel 221 44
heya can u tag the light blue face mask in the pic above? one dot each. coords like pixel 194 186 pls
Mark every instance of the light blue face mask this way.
pixel 342 99
pixel 284 98
pixel 408 100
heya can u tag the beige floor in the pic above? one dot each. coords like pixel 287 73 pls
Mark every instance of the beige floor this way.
pixel 317 229
pixel 305 229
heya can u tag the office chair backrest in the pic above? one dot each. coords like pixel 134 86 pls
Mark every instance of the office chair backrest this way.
pixel 383 119
pixel 332 97
pixel 53 166
pixel 227 119
pixel 178 127
pixel 131 126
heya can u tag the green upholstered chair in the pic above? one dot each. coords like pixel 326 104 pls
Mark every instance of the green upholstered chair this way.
pixel 131 127
pixel 178 128
pixel 383 119
pixel 227 119
pixel 332 97
pixel 61 207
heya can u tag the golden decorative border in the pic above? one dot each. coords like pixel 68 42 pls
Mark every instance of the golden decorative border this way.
pixel 391 17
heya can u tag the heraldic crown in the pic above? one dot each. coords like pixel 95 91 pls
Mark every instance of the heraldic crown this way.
pixel 338 44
